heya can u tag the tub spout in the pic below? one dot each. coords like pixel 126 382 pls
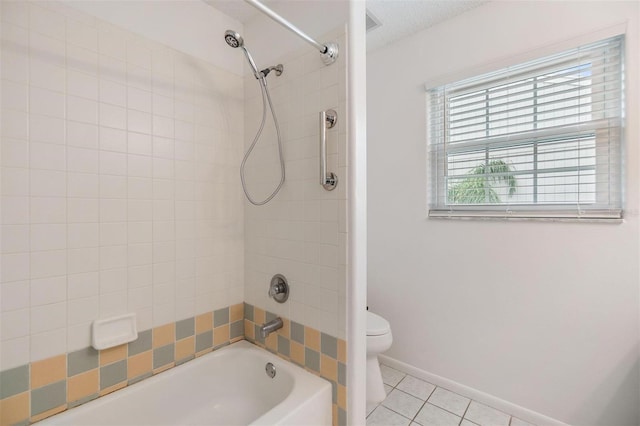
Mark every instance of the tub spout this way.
pixel 269 327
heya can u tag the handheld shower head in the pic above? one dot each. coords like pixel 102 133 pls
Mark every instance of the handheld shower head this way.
pixel 233 39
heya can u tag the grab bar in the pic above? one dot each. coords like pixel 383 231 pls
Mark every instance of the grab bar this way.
pixel 328 119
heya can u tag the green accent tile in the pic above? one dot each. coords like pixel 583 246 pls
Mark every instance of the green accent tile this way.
pixel 14 381
pixel 139 378
pixel 113 374
pixel 284 346
pixel 221 317
pixel 204 341
pixel 297 332
pixel 82 360
pixel 81 401
pixel 342 374
pixel 48 397
pixel 183 360
pixel 329 345
pixel 269 316
pixel 342 417
pixel 163 355
pixel 185 328
pixel 236 329
pixel 248 312
pixel 312 359
pixel 142 344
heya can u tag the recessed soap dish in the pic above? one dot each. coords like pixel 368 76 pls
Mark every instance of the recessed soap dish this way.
pixel 109 332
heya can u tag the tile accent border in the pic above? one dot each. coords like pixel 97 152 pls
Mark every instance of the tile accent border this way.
pixel 40 389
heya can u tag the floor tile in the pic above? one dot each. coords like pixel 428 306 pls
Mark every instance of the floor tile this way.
pixel 517 422
pixel 450 401
pixel 486 416
pixel 390 375
pixel 466 422
pixel 387 388
pixel 430 415
pixel 382 416
pixel 370 407
pixel 416 387
pixel 403 403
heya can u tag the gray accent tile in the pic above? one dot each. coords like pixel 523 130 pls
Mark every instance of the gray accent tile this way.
pixel 204 341
pixel 139 378
pixel 222 345
pixel 457 404
pixel 141 344
pixel 334 392
pixel 256 333
pixel 342 374
pixel 403 403
pixel 81 401
pixel 430 415
pixel 221 317
pixel 48 397
pixel 187 359
pixel 269 316
pixel 163 355
pixel 382 416
pixel 297 332
pixel 14 381
pixel 483 415
pixel 248 312
pixel 342 417
pixel 113 374
pixel 185 328
pixel 236 329
pixel 80 361
pixel 329 345
pixel 311 359
pixel 284 346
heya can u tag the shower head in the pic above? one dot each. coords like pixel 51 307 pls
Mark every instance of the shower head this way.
pixel 233 39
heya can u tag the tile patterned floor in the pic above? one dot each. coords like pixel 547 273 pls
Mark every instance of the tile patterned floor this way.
pixel 411 401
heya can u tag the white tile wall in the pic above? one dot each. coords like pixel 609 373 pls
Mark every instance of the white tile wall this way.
pixel 301 233
pixel 119 181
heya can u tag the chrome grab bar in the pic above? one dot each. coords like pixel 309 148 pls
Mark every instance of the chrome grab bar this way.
pixel 328 119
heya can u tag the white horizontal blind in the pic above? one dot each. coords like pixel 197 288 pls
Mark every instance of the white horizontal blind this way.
pixel 541 139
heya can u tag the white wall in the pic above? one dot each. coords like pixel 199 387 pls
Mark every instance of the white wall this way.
pixel 544 315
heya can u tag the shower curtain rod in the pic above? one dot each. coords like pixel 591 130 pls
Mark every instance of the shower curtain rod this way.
pixel 328 51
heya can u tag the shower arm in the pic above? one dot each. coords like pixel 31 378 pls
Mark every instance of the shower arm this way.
pixel 328 52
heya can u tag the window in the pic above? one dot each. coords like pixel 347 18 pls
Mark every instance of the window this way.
pixel 540 139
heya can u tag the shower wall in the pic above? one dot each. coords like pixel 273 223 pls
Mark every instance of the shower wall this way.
pixel 120 190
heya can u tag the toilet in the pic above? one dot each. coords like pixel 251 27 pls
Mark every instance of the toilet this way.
pixel 379 339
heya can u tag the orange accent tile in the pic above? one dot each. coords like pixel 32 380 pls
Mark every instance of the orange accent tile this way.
pixel 113 388
pixel 342 397
pixel 204 322
pixel 164 335
pixel 48 371
pixel 220 335
pixel 203 352
pixel 297 352
pixel 14 409
pixel 49 413
pixel 249 330
pixel 272 341
pixel 139 364
pixel 259 316
pixel 312 338
pixel 164 368
pixel 111 355
pixel 83 385
pixel 236 339
pixel 334 417
pixel 329 367
pixel 342 351
pixel 236 312
pixel 285 331
pixel 185 348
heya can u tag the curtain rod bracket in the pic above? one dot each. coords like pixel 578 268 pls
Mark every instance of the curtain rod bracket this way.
pixel 330 55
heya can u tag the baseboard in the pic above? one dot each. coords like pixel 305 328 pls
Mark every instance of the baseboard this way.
pixel 482 397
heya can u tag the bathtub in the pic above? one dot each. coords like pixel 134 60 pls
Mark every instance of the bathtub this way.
pixel 226 387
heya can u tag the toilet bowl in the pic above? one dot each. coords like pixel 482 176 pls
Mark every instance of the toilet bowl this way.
pixel 379 339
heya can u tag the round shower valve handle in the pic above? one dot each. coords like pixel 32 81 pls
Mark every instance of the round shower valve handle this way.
pixel 279 288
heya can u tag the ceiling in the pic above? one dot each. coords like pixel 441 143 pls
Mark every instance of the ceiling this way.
pixel 399 18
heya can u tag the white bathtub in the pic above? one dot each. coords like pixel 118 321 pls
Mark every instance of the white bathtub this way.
pixel 226 387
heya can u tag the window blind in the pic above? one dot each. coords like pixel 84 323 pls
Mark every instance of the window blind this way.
pixel 539 139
